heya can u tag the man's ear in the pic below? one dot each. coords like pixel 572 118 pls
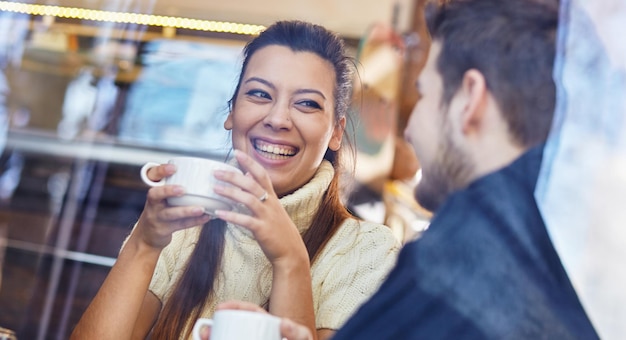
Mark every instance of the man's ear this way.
pixel 335 139
pixel 474 91
pixel 228 123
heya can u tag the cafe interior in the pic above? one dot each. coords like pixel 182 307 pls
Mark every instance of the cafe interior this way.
pixel 92 90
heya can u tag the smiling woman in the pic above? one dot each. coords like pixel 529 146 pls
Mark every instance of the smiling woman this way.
pixel 283 115
pixel 296 242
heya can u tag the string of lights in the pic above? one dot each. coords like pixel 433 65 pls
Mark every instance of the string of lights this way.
pixel 130 18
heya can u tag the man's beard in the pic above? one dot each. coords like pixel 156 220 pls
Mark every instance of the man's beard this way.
pixel 449 172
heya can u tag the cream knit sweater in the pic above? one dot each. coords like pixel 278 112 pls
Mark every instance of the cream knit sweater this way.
pixel 347 271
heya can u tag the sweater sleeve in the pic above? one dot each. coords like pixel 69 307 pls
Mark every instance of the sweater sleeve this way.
pixel 358 258
pixel 162 275
pixel 170 265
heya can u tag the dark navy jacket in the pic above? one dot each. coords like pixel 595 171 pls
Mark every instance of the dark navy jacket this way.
pixel 485 269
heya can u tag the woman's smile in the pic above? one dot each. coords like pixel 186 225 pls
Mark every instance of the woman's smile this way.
pixel 274 151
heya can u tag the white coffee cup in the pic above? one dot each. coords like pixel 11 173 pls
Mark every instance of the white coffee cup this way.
pixel 239 325
pixel 195 175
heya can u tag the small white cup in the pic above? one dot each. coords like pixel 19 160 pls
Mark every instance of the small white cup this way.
pixel 196 176
pixel 239 325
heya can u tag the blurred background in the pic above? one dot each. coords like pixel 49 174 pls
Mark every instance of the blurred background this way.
pixel 92 89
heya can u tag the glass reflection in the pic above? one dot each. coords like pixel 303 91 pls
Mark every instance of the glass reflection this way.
pixel 83 104
pixel 180 98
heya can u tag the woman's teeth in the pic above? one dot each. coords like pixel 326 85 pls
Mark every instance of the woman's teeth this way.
pixel 275 151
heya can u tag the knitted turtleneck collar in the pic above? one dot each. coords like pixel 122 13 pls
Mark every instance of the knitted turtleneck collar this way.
pixel 302 204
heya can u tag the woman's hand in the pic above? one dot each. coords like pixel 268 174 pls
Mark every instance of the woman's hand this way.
pixel 288 329
pixel 277 236
pixel 159 220
pixel 268 221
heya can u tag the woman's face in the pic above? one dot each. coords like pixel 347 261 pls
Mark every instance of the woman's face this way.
pixel 283 115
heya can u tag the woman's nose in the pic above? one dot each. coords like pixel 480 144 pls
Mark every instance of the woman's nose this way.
pixel 278 118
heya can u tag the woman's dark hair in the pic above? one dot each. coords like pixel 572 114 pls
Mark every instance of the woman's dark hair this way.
pixel 512 43
pixel 195 287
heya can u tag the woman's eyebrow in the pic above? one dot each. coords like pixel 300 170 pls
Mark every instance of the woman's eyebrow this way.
pixel 305 91
pixel 260 80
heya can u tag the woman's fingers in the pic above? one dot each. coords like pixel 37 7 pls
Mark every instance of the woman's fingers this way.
pixel 238 195
pixel 250 189
pixel 157 173
pixel 157 195
pixel 166 219
pixel 172 214
pixel 191 222
pixel 159 220
pixel 157 207
pixel 253 168
pixel 158 233
pixel 256 181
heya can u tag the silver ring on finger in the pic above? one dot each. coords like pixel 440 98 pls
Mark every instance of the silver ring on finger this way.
pixel 263 197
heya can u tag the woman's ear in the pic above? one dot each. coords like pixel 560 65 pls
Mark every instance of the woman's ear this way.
pixel 335 139
pixel 228 123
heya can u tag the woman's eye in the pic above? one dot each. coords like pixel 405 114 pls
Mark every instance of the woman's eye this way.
pixel 310 104
pixel 258 93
